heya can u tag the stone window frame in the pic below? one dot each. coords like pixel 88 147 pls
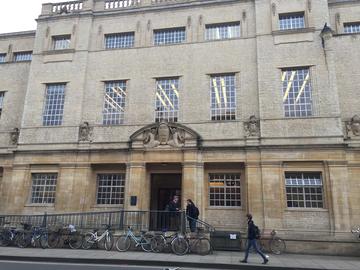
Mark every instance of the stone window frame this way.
pixel 225 172
pixel 354 27
pixel 115 118
pixel 47 112
pixel 23 56
pixel 220 27
pixel 30 200
pixel 120 40
pixel 122 173
pixel 291 17
pixel 169 36
pixel 63 40
pixel 169 96
pixel 214 112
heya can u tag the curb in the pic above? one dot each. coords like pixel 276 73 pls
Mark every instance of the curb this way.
pixel 222 266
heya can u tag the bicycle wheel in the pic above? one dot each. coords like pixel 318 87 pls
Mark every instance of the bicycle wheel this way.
pixel 158 243
pixel 89 241
pixel 5 238
pixel 75 241
pixel 123 243
pixel 146 242
pixel 23 240
pixel 180 245
pixel 277 245
pixel 53 240
pixel 44 240
pixel 202 246
pixel 109 241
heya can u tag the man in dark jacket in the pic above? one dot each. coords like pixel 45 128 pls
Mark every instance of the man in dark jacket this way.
pixel 192 213
pixel 252 235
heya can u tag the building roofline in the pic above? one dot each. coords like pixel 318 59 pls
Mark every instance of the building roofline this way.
pixel 18 34
pixel 340 2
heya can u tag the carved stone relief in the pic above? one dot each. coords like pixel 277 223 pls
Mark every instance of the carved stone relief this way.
pixel 353 126
pixel 85 132
pixel 252 126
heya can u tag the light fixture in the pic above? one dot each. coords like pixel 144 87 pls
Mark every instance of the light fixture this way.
pixel 326 34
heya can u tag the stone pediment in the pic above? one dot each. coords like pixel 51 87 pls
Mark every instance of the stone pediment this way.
pixel 165 135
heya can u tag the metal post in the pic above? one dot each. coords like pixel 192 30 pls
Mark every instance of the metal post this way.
pixel 44 224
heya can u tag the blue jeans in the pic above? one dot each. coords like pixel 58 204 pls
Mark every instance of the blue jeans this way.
pixel 192 225
pixel 252 243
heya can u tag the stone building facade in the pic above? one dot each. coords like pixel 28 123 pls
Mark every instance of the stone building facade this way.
pixel 240 105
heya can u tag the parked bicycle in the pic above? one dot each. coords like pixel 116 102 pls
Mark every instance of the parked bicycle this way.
pixel 124 241
pixel 174 242
pixel 32 235
pixel 356 232
pixel 276 244
pixel 8 235
pixel 106 238
pixel 67 235
pixel 199 244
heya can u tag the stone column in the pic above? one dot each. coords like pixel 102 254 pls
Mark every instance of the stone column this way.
pixel 338 172
pixel 137 185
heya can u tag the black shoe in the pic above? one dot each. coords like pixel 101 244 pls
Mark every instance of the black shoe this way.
pixel 265 261
pixel 243 261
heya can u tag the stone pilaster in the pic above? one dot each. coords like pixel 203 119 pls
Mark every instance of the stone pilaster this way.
pixel 137 185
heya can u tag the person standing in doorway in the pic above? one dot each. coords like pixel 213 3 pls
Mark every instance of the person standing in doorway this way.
pixel 253 234
pixel 174 208
pixel 192 213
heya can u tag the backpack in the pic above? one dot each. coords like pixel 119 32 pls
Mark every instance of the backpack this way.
pixel 257 232
pixel 196 212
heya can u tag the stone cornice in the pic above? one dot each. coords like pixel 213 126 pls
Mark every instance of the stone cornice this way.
pixel 19 34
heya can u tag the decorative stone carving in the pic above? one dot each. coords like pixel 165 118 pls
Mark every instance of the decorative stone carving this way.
pixel 353 126
pixel 163 135
pixel 14 136
pixel 64 9
pixel 85 132
pixel 252 127
pixel 273 9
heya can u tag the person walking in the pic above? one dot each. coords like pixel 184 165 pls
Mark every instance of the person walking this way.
pixel 192 213
pixel 253 234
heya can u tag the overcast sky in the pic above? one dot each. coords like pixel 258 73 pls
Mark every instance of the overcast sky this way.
pixel 20 15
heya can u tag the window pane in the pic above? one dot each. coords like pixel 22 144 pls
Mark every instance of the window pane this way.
pixel 22 56
pixel 2 57
pixel 110 188
pixel 297 92
pixel 54 105
pixel 224 190
pixel 223 97
pixel 43 188
pixel 114 103
pixel 119 40
pixel 223 31
pixel 352 27
pixel 169 36
pixel 61 42
pixel 167 100
pixel 291 21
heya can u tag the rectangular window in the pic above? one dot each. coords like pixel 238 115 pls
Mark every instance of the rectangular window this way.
pixel 224 189
pixel 167 100
pixel 291 21
pixel 120 40
pixel 110 189
pixel 223 97
pixel 2 57
pixel 223 31
pixel 169 36
pixel 22 56
pixel 43 188
pixel 304 190
pixel 114 103
pixel 61 42
pixel 297 92
pixel 54 104
pixel 2 95
pixel 353 27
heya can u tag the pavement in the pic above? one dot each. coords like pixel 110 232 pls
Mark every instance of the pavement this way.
pixel 218 260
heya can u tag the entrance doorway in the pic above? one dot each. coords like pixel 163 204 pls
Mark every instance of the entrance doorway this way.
pixel 164 187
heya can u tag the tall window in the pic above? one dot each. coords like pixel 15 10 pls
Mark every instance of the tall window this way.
pixel 352 27
pixel 22 56
pixel 167 100
pixel 119 40
pixel 169 36
pixel 223 31
pixel 292 21
pixel 224 189
pixel 43 188
pixel 54 104
pixel 110 189
pixel 114 103
pixel 223 97
pixel 61 42
pixel 304 189
pixel 2 57
pixel 297 92
pixel 2 95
